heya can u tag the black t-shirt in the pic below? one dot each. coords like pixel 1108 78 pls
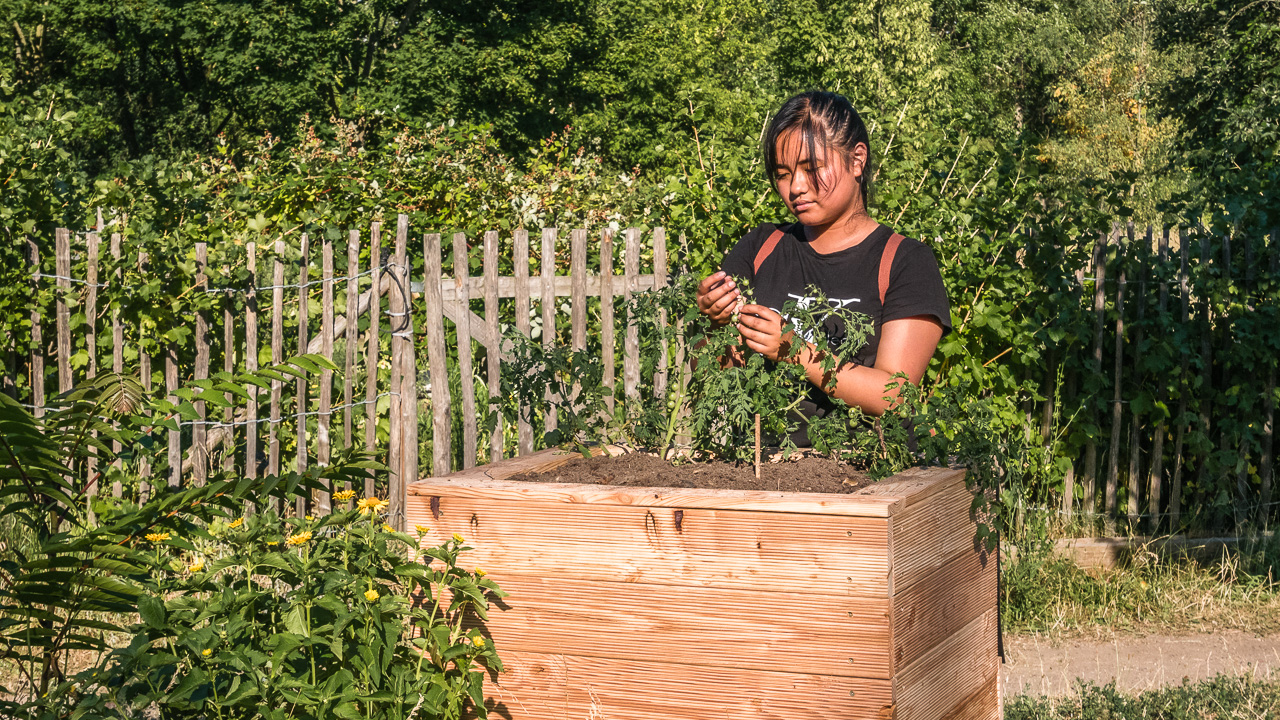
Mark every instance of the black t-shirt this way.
pixel 849 277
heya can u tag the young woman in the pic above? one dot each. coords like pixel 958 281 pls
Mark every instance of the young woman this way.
pixel 818 156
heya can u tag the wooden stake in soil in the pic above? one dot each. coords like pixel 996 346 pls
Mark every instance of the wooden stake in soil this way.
pixel 549 313
pixel 758 446
pixel 631 341
pixel 659 282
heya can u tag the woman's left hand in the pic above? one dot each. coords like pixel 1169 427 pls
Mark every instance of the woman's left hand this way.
pixel 761 331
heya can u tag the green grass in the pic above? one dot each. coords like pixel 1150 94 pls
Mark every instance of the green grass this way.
pixel 1225 697
pixel 1045 594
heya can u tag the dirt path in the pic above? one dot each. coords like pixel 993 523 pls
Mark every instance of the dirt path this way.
pixel 1036 666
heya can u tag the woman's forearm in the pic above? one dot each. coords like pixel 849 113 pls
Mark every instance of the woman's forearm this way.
pixel 856 385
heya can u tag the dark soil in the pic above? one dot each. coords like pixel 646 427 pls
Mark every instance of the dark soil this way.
pixel 803 474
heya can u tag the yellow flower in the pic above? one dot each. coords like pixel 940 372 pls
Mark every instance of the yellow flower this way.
pixel 422 529
pixel 480 572
pixel 344 495
pixel 273 542
pixel 157 537
pixel 299 538
pixel 388 528
pixel 371 595
pixel 458 538
pixel 367 505
pixel 236 523
pixel 382 505
pixel 477 641
pixel 196 566
pixel 206 652
pixel 309 518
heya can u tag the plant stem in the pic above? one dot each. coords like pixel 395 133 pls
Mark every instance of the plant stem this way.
pixel 757 446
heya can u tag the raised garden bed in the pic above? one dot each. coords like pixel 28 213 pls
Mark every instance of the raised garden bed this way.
pixel 633 603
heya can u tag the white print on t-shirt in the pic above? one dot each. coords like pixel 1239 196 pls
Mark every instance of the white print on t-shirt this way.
pixel 804 301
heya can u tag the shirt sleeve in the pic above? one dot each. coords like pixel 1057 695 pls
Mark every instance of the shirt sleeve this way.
pixel 740 261
pixel 915 286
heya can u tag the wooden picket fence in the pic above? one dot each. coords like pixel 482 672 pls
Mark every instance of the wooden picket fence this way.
pixel 389 304
pixel 1138 467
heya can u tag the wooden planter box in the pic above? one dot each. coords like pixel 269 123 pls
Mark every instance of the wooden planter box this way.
pixel 675 604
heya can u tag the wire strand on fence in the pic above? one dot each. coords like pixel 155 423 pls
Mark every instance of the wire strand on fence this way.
pixel 302 286
pixel 294 416
pixel 69 279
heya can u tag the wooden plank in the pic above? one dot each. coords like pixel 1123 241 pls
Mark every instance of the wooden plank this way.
pixel 493 352
pixel 578 276
pixel 374 335
pixel 228 366
pixel 520 267
pixel 561 286
pixel 806 554
pixel 144 369
pixel 538 686
pixel 409 394
pixel 964 664
pixel 320 497
pixel 1205 388
pixel 631 339
pixel 1117 406
pixel 251 362
pixel 930 532
pixel 1135 431
pixel 941 604
pixel 461 272
pixel 842 636
pixel 91 348
pixel 1267 441
pixel 175 436
pixel 437 360
pixel 984 704
pixel 117 347
pixel 37 335
pixel 199 432
pixel 660 281
pixel 1090 479
pixel 352 337
pixel 1175 485
pixel 300 389
pixel 277 357
pixel 62 318
pixel 1156 474
pixel 606 315
pixel 397 311
pixel 548 266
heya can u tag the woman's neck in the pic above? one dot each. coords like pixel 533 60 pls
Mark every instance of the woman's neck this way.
pixel 840 235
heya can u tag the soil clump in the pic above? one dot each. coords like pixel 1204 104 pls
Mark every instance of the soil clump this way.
pixel 799 474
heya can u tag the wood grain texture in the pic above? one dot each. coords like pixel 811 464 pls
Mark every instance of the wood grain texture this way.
pixel 461 271
pixel 548 266
pixel 436 359
pixel 520 266
pixel 409 407
pixel 578 293
pixel 62 312
pixel 300 385
pixel 320 497
pixel 984 704
pixel 606 315
pixel 809 554
pixel 117 346
pixel 493 350
pixel 199 432
pixel 251 362
pixel 352 337
pixel 374 337
pixel 938 684
pixel 941 604
pixel 539 686
pixel 91 348
pixel 711 627
pixel 659 282
pixel 175 436
pixel 37 335
pixel 277 356
pixel 631 337
pixel 932 531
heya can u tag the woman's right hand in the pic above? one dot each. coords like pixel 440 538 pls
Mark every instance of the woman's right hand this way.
pixel 718 297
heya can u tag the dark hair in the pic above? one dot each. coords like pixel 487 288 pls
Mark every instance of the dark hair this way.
pixel 822 118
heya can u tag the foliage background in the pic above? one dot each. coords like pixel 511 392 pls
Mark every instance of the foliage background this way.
pixel 994 121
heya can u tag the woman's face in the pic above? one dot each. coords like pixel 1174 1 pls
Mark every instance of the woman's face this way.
pixel 820 189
